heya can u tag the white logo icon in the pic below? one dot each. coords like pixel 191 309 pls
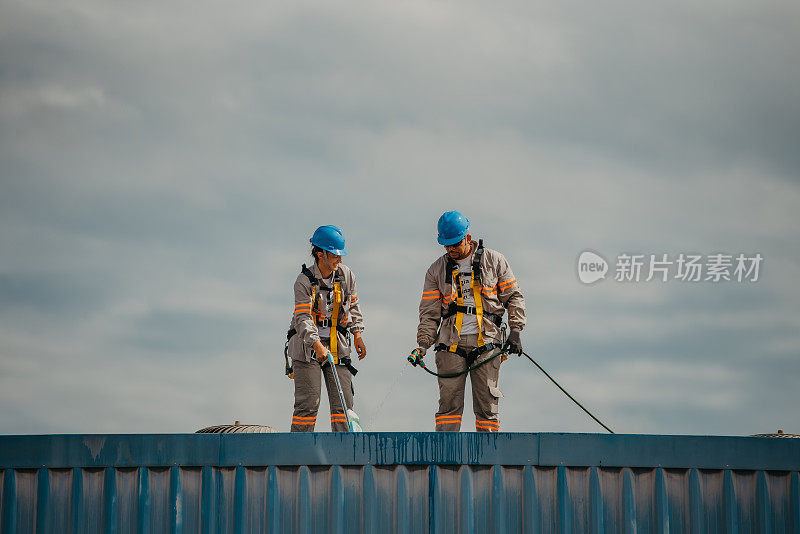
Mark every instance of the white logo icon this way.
pixel 591 267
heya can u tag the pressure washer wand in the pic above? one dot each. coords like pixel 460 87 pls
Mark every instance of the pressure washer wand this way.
pixel 414 358
pixel 341 393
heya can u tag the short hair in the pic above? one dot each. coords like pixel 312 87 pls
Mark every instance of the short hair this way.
pixel 314 250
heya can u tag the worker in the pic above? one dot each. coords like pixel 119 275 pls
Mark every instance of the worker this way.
pixel 464 297
pixel 326 312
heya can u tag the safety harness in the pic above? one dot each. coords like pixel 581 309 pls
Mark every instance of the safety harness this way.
pixel 458 308
pixel 322 322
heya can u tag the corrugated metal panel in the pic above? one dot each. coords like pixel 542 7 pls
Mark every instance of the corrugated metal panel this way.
pixel 355 483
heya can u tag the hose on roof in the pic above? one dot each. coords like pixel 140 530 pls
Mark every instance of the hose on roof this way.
pixel 421 363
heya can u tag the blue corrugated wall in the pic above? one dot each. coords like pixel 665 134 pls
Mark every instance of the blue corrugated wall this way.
pixel 398 482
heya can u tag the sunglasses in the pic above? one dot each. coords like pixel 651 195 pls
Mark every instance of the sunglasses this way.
pixel 455 245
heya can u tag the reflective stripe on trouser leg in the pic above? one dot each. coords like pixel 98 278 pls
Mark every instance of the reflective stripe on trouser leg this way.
pixel 485 393
pixel 338 419
pixel 451 392
pixel 307 384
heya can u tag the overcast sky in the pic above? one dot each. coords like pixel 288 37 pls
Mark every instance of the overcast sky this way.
pixel 163 164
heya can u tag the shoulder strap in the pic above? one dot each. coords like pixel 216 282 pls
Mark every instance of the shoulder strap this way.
pixel 314 283
pixel 450 267
pixel 476 261
pixel 311 278
pixel 338 276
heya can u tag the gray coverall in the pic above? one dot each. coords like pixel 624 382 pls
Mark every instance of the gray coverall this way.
pixel 499 292
pixel 307 373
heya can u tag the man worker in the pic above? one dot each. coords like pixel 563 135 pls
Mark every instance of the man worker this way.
pixel 466 292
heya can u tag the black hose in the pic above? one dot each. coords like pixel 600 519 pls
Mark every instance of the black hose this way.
pixel 465 371
pixel 565 392
pixel 505 351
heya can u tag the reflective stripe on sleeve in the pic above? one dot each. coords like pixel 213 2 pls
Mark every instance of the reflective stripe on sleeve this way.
pixel 502 286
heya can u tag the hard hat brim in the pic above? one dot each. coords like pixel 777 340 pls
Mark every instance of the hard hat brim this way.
pixel 338 252
pixel 452 240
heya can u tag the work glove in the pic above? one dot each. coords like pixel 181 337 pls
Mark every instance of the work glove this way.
pixel 513 343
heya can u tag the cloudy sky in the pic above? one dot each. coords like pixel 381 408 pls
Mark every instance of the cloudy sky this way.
pixel 163 164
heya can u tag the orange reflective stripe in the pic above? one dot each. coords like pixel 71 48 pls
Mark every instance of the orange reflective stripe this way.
pixel 507 283
pixel 304 306
pixel 314 418
pixel 308 423
pixel 487 425
pixel 430 295
pixel 442 417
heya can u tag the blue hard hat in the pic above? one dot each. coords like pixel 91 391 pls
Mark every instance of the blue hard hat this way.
pixel 453 227
pixel 330 238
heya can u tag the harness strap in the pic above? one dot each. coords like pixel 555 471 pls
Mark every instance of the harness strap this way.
pixel 289 369
pixel 348 363
pixel 320 322
pixel 337 301
pixel 311 278
pixel 456 281
pixel 345 362
pixel 453 308
pixel 475 285
pixel 476 261
pixel 469 355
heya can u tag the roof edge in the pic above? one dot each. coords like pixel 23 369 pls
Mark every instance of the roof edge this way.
pixel 393 448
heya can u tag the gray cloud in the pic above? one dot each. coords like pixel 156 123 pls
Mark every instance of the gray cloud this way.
pixel 164 165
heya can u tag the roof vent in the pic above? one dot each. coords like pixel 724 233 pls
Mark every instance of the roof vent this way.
pixel 237 428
